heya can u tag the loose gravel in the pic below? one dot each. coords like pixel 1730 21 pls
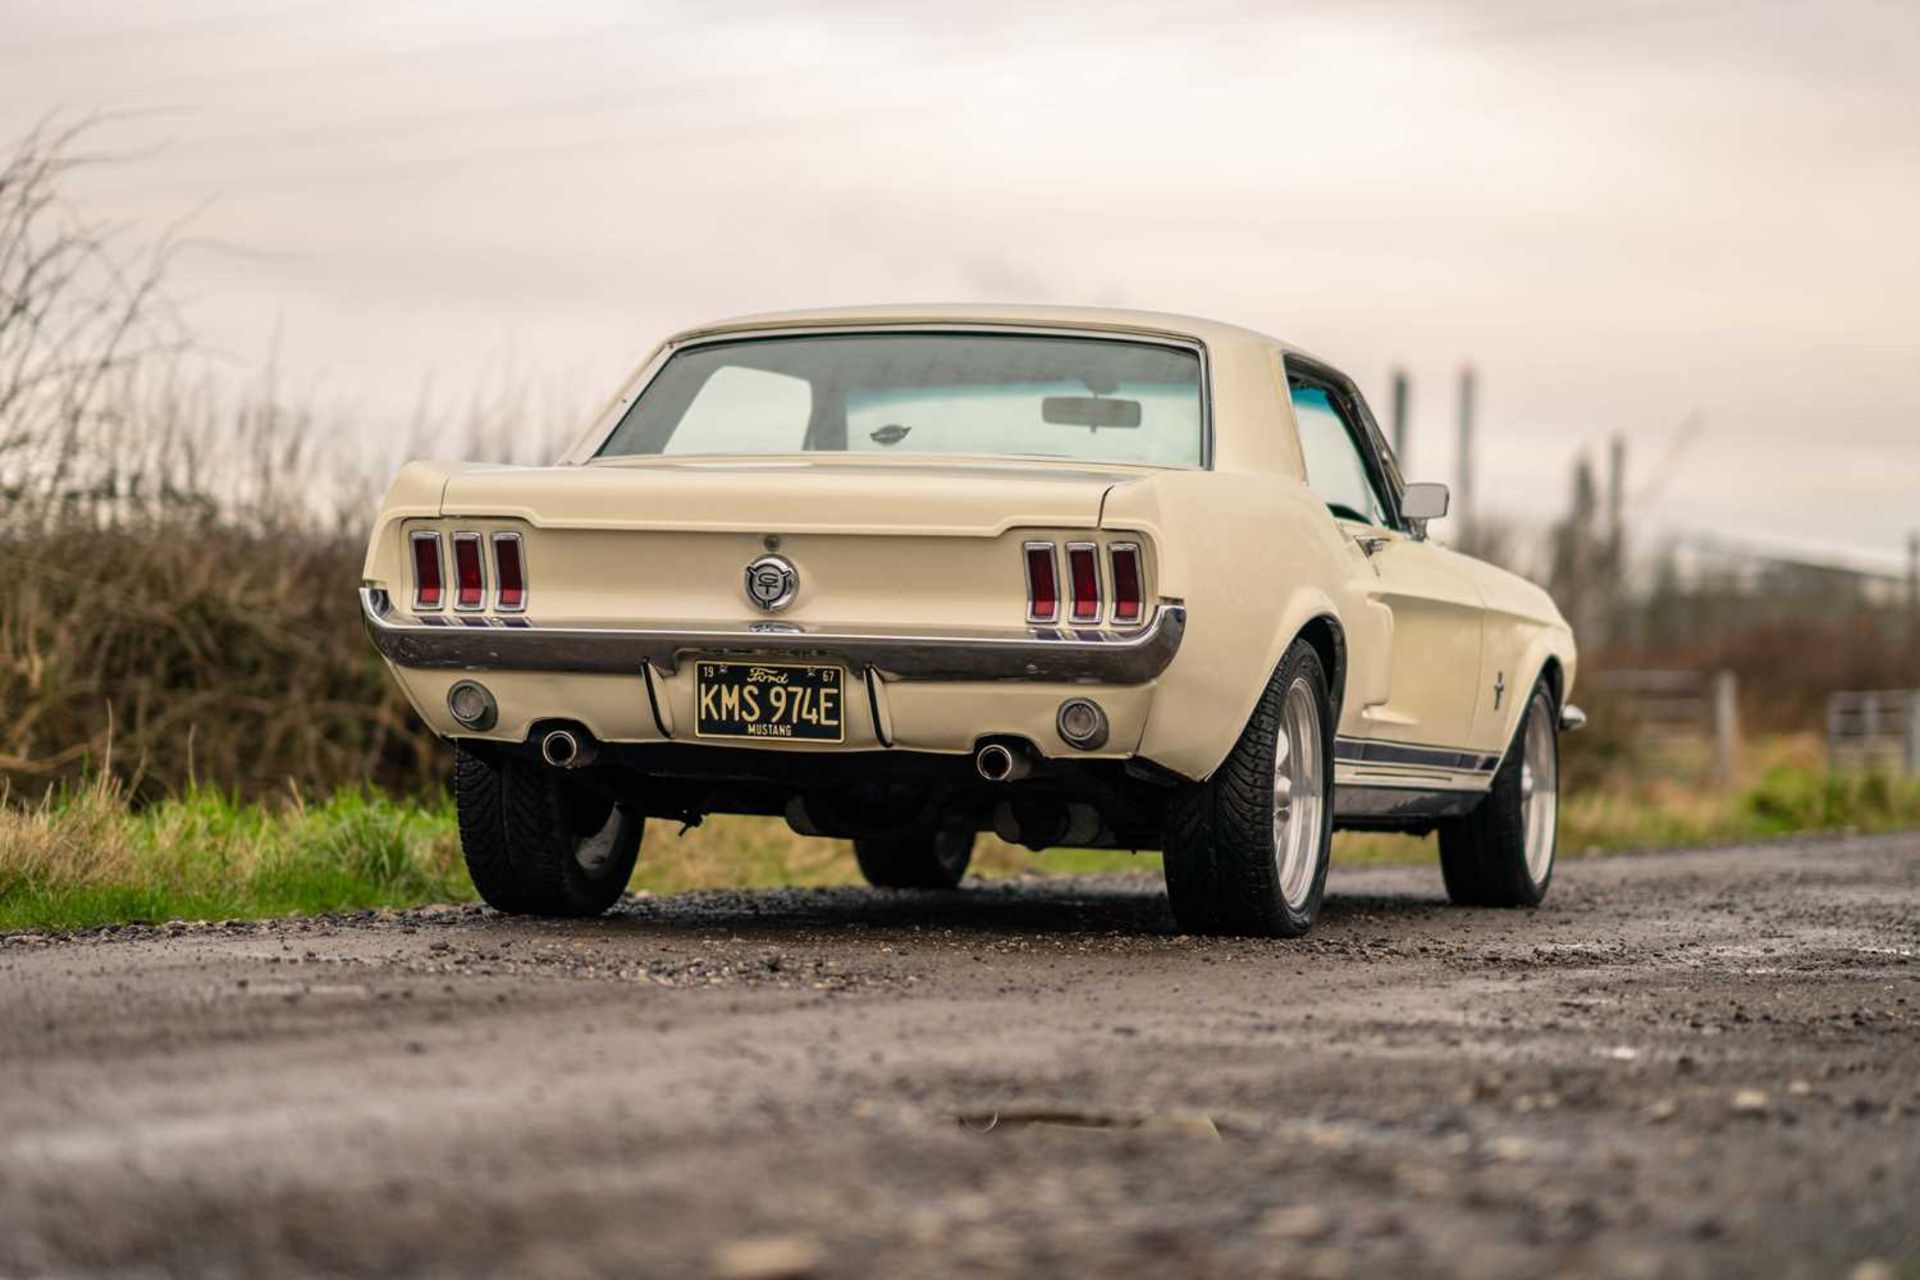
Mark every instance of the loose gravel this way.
pixel 1688 1064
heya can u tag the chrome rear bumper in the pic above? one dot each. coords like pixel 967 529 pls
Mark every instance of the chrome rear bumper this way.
pixel 1086 656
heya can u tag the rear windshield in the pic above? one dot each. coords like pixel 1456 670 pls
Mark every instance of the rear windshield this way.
pixel 1096 399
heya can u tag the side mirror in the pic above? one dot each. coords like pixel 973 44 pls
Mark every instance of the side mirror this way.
pixel 1424 501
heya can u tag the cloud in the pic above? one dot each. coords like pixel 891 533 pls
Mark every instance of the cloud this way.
pixel 1621 214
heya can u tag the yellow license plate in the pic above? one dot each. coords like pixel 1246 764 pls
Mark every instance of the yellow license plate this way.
pixel 767 701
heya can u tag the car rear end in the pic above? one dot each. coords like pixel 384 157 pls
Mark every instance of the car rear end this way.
pixel 976 613
pixel 854 578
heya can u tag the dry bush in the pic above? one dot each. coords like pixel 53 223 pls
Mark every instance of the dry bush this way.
pixel 178 556
pixel 177 566
pixel 84 327
pixel 203 652
pixel 1787 667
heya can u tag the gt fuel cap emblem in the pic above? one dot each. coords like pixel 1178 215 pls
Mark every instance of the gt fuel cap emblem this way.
pixel 772 582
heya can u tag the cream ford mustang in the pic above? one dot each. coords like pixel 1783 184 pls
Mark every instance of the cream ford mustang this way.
pixel 904 575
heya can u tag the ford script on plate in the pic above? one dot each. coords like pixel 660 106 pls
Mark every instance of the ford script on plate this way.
pixel 768 700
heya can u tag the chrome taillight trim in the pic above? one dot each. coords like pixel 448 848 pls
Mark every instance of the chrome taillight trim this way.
pixel 1026 566
pixel 480 562
pixel 499 579
pixel 413 567
pixel 1072 592
pixel 1132 551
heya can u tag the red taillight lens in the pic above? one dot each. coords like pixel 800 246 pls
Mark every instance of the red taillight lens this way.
pixel 428 593
pixel 1043 586
pixel 469 581
pixel 510 593
pixel 1083 570
pixel 1127 603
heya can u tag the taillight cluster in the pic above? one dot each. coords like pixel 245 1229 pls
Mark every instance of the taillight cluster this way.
pixel 470 575
pixel 1117 596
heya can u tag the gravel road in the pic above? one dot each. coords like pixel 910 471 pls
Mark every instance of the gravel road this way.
pixel 1689 1064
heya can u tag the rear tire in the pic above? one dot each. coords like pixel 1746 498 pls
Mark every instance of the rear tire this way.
pixel 538 842
pixel 1501 854
pixel 934 861
pixel 1247 850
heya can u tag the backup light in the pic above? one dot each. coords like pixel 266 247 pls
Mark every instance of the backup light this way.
pixel 1082 724
pixel 469 702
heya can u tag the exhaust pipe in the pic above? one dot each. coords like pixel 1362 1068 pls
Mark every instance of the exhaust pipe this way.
pixel 998 762
pixel 565 749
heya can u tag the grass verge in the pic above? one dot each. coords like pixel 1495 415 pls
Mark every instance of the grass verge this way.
pixel 85 856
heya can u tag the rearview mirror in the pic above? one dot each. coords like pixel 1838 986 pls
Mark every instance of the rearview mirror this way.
pixel 1089 411
pixel 1424 501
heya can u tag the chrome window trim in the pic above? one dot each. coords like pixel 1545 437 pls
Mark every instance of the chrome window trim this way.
pixel 480 558
pixel 1376 458
pixel 1046 654
pixel 1026 566
pixel 1139 572
pixel 1099 614
pixel 589 449
pixel 413 567
pixel 520 544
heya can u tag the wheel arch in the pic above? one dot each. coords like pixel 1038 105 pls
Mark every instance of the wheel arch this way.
pixel 1329 639
pixel 1555 677
pixel 1259 565
pixel 1550 663
pixel 1194 746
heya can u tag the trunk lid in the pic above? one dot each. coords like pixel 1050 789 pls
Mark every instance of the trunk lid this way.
pixel 931 544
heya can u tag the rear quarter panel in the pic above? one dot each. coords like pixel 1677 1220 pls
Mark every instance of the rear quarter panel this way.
pixel 1255 557
pixel 414 495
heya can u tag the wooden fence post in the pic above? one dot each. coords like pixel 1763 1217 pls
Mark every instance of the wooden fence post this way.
pixel 1726 725
pixel 1913 733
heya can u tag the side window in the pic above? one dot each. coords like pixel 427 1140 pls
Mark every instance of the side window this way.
pixel 1336 469
pixel 742 410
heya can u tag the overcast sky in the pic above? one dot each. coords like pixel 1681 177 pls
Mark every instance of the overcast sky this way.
pixel 1625 213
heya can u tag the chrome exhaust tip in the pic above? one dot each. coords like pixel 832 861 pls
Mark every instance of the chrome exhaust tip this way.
pixel 565 749
pixel 997 762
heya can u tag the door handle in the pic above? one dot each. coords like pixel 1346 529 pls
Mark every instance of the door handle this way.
pixel 1372 543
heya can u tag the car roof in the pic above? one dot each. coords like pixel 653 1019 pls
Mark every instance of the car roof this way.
pixel 1212 333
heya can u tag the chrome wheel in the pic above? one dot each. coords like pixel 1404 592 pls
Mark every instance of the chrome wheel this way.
pixel 1298 804
pixel 1539 788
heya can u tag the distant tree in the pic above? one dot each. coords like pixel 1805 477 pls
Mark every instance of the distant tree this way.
pixel 1576 578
